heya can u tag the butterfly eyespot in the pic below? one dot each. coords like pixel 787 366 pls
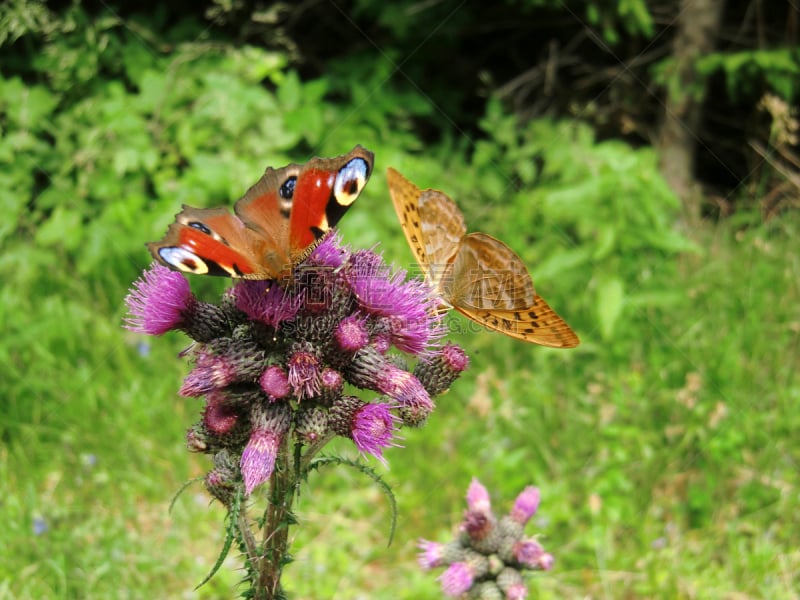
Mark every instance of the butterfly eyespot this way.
pixel 200 227
pixel 183 260
pixel 350 181
pixel 286 190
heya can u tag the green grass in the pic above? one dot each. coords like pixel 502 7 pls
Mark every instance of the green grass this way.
pixel 668 465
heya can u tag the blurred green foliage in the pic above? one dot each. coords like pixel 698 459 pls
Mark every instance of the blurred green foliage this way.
pixel 664 446
pixel 745 72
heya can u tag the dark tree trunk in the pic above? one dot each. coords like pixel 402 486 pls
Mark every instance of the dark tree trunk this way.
pixel 698 24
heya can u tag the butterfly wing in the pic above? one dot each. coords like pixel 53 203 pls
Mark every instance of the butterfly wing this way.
pixel 325 189
pixel 491 286
pixel 488 274
pixel 208 241
pixel 277 221
pixel 432 224
pixel 537 324
pixel 443 230
pixel 293 207
pixel 476 274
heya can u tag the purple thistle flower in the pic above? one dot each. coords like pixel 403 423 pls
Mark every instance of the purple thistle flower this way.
pixel 382 341
pixel 331 386
pixel 304 373
pixel 370 426
pixel 351 333
pixel 220 416
pixel 258 458
pixel 487 557
pixel 403 387
pixel 219 486
pixel 210 372
pixel 275 382
pixel 365 264
pixel 328 253
pixel 454 358
pixel 516 591
pixel 266 302
pixel 510 581
pixel 478 499
pixel 223 362
pixel 526 505
pixel 411 336
pixel 310 425
pixel 409 307
pixel 528 552
pixel 372 429
pixel 266 437
pixel 440 369
pixel 457 579
pixel 479 527
pixel 158 301
pixel 368 276
pixel 546 561
pixel 372 370
pixel 221 480
pixel 316 285
pixel 431 554
pixel 331 379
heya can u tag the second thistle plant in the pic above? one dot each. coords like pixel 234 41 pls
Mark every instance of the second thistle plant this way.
pixel 489 556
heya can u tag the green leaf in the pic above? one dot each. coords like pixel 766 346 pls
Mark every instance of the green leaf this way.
pixel 606 239
pixel 290 91
pixel 62 228
pixel 231 528
pixel 11 204
pixel 610 299
pixel 559 262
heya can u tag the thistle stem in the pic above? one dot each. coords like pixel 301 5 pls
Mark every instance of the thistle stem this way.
pixel 277 519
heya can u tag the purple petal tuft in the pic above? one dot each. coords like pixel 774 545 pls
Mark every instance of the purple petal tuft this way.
pixel 372 429
pixel 258 458
pixel 157 301
pixel 478 499
pixel 526 505
pixel 266 301
pixel 457 579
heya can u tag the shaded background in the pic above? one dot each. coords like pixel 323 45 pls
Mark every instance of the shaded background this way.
pixel 642 158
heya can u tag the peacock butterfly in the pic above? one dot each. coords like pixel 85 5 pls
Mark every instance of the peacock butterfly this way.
pixel 277 222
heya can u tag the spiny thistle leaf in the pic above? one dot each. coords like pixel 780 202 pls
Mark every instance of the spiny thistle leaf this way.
pixel 181 490
pixel 324 461
pixel 232 519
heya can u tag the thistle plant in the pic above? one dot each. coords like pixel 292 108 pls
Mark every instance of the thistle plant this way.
pixel 277 364
pixel 486 560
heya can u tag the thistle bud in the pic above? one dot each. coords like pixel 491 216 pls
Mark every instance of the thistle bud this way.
pixel 438 372
pixel 269 426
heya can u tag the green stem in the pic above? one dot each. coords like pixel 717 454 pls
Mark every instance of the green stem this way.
pixel 276 528
pixel 277 518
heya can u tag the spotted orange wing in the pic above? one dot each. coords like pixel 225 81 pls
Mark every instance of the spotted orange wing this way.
pixel 478 275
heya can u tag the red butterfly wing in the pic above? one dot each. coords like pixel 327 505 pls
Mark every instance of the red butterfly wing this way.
pixel 277 220
pixel 208 241
pixel 324 190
